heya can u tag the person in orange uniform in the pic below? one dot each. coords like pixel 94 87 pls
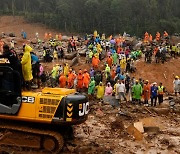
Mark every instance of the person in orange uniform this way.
pixel 80 81
pixel 95 62
pixel 113 73
pixel 71 77
pixel 62 81
pixel 150 38
pixel 146 92
pixel 146 37
pixel 165 34
pixel 158 36
pixel 86 79
pixel 109 61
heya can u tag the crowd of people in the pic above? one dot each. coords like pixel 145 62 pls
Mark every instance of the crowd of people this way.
pixel 113 79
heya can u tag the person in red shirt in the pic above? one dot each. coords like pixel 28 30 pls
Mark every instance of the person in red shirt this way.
pixel 109 61
pixel 62 81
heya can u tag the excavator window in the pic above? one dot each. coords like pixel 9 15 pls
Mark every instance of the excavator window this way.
pixel 10 90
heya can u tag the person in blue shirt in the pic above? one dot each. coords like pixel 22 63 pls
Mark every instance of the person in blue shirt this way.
pixel 154 93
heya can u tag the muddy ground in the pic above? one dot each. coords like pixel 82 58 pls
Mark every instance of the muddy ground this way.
pixel 106 131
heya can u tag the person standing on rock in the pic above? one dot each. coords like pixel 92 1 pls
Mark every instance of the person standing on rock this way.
pixel 136 92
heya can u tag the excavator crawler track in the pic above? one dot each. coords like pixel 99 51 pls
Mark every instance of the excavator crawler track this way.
pixel 25 138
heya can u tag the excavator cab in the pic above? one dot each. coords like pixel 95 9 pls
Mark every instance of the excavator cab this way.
pixel 10 90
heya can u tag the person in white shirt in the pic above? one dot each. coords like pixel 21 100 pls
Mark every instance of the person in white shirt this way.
pixel 176 83
pixel 121 90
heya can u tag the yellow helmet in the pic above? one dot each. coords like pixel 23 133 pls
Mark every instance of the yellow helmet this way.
pixel 177 77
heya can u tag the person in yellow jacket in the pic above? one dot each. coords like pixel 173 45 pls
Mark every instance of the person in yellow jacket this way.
pixel 123 64
pixel 27 67
pixel 100 91
pixel 66 70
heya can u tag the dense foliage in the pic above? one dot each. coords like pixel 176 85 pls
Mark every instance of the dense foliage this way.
pixel 107 16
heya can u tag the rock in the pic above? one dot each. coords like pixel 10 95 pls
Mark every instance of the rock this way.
pixel 74 61
pixel 34 41
pixel 82 52
pixel 151 129
pixel 139 126
pixel 164 111
pixel 148 122
pixel 12 35
pixel 70 56
pixel 136 133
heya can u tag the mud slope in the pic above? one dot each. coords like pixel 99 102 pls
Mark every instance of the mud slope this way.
pixel 16 24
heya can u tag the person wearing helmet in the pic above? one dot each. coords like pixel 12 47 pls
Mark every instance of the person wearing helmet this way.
pixel 176 84
pixel 146 92
pixel 71 78
pixel 86 79
pixel 80 81
pixel 62 81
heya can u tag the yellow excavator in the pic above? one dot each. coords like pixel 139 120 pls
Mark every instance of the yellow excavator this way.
pixel 37 121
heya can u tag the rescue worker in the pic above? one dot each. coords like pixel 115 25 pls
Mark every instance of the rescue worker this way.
pixel 154 93
pixel 136 92
pixel 95 62
pixel 91 87
pixel 79 81
pixel 86 79
pixel 123 64
pixel 13 59
pixel 146 92
pixel 66 69
pixel 107 70
pixel 161 90
pixel 71 78
pixel 115 58
pixel 109 61
pixel 62 81
pixel 108 90
pixel 27 67
pixel 176 83
pixel 100 91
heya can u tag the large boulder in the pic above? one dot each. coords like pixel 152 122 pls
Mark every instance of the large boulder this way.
pixel 70 56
